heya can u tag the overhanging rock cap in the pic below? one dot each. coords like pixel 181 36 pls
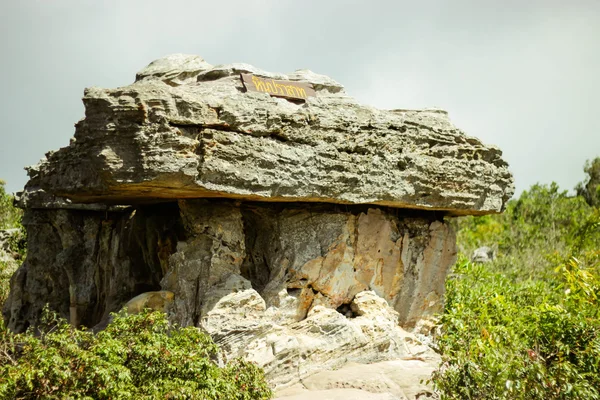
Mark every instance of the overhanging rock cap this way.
pixel 187 129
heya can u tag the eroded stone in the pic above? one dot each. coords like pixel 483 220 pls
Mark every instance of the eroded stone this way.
pixel 186 129
pixel 300 235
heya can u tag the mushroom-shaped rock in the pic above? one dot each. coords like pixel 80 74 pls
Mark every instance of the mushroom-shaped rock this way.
pixel 298 227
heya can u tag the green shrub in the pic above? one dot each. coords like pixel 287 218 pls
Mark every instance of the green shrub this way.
pixel 527 340
pixel 526 326
pixel 137 357
pixel 535 232
pixel 10 216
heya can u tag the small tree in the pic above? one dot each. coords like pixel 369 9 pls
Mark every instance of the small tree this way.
pixel 10 216
pixel 590 188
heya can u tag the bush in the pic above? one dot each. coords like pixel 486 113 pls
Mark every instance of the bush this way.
pixel 534 233
pixel 590 188
pixel 17 247
pixel 137 357
pixel 526 340
pixel 10 216
pixel 526 326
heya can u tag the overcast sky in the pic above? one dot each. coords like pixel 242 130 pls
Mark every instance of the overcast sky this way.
pixel 523 75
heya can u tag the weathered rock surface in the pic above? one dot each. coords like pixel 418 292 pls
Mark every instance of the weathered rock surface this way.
pixel 300 235
pixel 483 254
pixel 297 290
pixel 288 350
pixel 86 264
pixel 90 263
pixel 159 300
pixel 186 129
pixel 389 380
pixel 300 258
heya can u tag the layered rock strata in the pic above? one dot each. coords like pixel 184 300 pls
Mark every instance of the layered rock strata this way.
pixel 90 263
pixel 182 132
pixel 295 289
pixel 301 235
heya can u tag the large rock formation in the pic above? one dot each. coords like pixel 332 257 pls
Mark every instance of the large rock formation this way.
pixel 186 129
pixel 300 234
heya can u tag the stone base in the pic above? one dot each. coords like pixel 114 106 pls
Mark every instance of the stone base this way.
pixel 325 340
pixel 296 257
pixel 385 380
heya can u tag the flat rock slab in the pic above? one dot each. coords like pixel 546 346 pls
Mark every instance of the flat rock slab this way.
pixel 339 394
pixel 187 129
pixel 396 379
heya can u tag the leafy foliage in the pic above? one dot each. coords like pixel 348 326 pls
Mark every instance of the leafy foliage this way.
pixel 137 357
pixel 524 340
pixel 590 189
pixel 10 216
pixel 526 326
pixel 535 232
